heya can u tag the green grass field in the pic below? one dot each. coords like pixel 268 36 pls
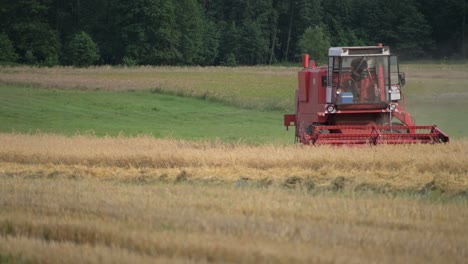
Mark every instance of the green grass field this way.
pixel 132 113
pixel 437 94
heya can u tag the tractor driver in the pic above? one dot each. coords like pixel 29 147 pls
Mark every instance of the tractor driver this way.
pixel 359 69
pixel 358 83
pixel 358 73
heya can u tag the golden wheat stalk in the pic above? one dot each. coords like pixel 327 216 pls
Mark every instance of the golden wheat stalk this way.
pixel 397 166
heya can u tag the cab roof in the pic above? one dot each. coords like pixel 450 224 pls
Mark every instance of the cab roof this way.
pixel 359 51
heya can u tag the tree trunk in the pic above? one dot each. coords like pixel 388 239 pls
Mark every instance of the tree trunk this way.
pixel 77 16
pixel 463 30
pixel 273 42
pixel 289 32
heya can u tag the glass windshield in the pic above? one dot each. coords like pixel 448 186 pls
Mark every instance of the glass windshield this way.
pixel 361 80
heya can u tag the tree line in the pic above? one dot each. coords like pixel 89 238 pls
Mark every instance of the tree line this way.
pixel 223 32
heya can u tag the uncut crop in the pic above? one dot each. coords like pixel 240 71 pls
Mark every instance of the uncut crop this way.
pixel 59 220
pixel 395 167
pixel 145 200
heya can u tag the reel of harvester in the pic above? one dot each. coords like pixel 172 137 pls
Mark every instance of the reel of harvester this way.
pixel 373 134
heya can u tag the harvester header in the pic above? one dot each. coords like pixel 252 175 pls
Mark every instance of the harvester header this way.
pixel 356 99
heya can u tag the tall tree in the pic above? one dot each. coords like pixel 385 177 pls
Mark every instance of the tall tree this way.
pixel 149 31
pixel 315 42
pixel 253 45
pixel 414 33
pixel 446 18
pixel 464 47
pixel 210 43
pixel 7 52
pixel 229 42
pixel 243 31
pixel 82 50
pixel 255 32
pixel 190 25
pixel 299 15
pixel 29 30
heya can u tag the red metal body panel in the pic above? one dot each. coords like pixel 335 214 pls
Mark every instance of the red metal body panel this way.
pixel 381 84
pixel 289 120
pixel 311 96
pixel 304 88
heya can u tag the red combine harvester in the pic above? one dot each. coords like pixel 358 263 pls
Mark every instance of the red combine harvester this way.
pixel 357 99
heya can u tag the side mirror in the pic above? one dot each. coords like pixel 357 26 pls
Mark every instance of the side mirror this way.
pixel 401 78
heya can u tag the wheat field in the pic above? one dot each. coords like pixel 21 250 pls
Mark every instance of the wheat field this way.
pixel 93 221
pixel 144 200
pixel 146 158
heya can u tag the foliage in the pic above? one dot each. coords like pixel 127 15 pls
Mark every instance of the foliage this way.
pixel 7 52
pixel 29 28
pixel 30 58
pixel 195 32
pixel 129 61
pixel 82 50
pixel 36 41
pixel 254 47
pixel 149 31
pixel 51 61
pixel 190 25
pixel 209 49
pixel 348 38
pixel 315 43
pixel 230 60
pixel 414 34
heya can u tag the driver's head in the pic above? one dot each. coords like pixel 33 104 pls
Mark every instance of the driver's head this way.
pixel 359 68
pixel 358 63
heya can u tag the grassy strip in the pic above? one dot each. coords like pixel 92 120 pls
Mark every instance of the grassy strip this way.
pixel 132 113
pixel 261 88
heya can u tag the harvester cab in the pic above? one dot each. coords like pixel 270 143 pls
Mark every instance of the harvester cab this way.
pixel 357 99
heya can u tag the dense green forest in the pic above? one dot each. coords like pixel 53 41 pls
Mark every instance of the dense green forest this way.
pixel 223 32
